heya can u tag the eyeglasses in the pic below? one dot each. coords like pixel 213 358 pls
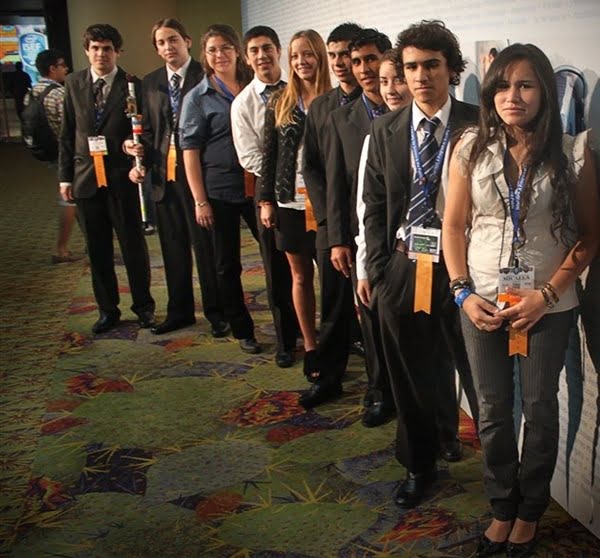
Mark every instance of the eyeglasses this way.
pixel 225 49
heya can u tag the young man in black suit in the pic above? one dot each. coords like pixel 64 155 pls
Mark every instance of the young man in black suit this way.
pixel 162 95
pixel 337 302
pixel 345 132
pixel 93 171
pixel 408 158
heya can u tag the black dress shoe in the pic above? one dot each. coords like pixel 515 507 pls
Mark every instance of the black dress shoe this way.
pixel 146 319
pixel 172 325
pixel 284 359
pixel 357 348
pixel 452 451
pixel 376 414
pixel 106 322
pixel 413 487
pixel 250 346
pixel 219 329
pixel 486 547
pixel 320 392
pixel 522 550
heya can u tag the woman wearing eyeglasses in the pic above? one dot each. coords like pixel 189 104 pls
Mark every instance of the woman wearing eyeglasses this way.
pixel 283 193
pixel 214 174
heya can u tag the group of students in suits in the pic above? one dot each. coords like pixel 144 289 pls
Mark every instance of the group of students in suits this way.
pixel 354 178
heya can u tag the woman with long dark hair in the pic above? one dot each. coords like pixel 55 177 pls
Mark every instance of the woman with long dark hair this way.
pixel 214 174
pixel 283 192
pixel 526 195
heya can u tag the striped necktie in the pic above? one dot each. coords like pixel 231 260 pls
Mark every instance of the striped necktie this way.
pixel 421 210
pixel 175 94
pixel 98 91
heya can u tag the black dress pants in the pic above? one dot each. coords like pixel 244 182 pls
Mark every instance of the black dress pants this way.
pixel 116 208
pixel 180 235
pixel 226 241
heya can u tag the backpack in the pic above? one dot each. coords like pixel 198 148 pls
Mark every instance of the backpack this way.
pixel 36 130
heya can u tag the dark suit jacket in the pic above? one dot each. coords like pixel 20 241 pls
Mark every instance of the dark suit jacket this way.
pixel 315 151
pixel 346 130
pixel 388 179
pixel 158 124
pixel 79 122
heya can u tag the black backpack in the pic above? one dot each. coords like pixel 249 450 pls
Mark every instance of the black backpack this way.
pixel 36 130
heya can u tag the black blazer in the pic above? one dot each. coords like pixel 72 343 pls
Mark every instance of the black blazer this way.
pixel 388 179
pixel 75 164
pixel 315 151
pixel 346 130
pixel 158 124
pixel 280 154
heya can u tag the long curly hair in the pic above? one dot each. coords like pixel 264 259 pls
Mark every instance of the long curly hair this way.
pixel 545 147
pixel 287 101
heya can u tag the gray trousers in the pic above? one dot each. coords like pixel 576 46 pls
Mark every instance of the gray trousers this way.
pixel 518 488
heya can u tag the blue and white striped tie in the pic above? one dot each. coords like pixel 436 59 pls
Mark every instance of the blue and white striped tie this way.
pixel 421 210
pixel 175 94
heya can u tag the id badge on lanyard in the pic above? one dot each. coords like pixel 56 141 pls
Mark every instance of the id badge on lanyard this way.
pixel 98 149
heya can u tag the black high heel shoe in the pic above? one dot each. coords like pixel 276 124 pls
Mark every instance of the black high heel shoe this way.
pixel 311 366
pixel 486 547
pixel 522 550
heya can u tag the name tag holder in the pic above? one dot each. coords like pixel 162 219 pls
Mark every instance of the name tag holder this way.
pixel 522 277
pixel 424 247
pixel 98 149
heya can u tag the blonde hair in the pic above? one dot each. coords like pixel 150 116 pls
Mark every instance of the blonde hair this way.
pixel 287 101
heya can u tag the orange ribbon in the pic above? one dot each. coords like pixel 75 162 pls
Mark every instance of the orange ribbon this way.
pixel 249 184
pixel 309 213
pixel 423 283
pixel 517 340
pixel 100 170
pixel 171 163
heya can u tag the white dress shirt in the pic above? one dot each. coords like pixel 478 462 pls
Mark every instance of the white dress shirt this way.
pixel 181 72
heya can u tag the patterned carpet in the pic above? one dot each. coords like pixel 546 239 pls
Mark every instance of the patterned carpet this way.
pixel 130 445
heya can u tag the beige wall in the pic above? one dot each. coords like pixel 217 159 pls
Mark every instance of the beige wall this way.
pixel 135 18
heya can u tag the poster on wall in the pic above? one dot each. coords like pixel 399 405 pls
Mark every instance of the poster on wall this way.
pixel 22 40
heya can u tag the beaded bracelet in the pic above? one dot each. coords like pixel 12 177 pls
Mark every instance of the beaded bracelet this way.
pixel 460 283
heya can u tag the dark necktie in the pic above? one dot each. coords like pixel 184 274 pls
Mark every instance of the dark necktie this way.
pixel 175 94
pixel 422 204
pixel 378 111
pixel 344 100
pixel 98 91
pixel 269 90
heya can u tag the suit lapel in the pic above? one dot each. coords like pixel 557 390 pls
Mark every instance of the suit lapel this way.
pixel 88 96
pixel 164 103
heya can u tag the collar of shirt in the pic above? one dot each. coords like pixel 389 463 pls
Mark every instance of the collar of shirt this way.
pixel 372 105
pixel 181 72
pixel 49 81
pixel 443 114
pixel 355 93
pixel 260 86
pixel 108 78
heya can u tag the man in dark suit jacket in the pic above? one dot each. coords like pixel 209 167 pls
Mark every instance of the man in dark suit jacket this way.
pixel 337 302
pixel 412 339
pixel 95 107
pixel 178 231
pixel 345 132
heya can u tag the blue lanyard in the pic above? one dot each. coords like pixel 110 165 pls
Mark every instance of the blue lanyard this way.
pixel 514 200
pixel 368 107
pixel 428 181
pixel 228 94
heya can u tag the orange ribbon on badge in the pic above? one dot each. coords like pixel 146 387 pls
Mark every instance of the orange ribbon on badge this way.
pixel 423 283
pixel 517 340
pixel 249 184
pixel 309 213
pixel 100 170
pixel 171 163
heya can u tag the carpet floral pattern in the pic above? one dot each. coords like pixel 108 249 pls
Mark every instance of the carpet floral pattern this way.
pixel 183 446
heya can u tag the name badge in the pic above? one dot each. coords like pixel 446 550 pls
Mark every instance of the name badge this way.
pixel 98 149
pixel 425 241
pixel 97 145
pixel 522 277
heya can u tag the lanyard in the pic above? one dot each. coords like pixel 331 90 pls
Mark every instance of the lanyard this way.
pixel 514 200
pixel 428 181
pixel 226 92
